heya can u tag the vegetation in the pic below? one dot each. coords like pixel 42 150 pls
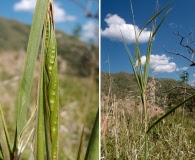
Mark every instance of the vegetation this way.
pixel 43 114
pixel 14 37
pixel 124 86
pixel 138 127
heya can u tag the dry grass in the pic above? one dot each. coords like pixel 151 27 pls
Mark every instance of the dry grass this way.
pixel 77 96
pixel 123 134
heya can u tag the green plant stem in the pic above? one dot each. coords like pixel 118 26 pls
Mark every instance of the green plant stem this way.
pixel 145 125
pixel 169 112
pixel 5 130
pixel 93 145
pixel 80 144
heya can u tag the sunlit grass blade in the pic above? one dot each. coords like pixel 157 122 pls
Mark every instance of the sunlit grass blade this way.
pixel 31 56
pixel 169 112
pixel 93 145
pixel 132 62
pixel 5 130
pixel 153 33
pixel 155 16
pixel 80 144
pixel 27 132
pixel 165 15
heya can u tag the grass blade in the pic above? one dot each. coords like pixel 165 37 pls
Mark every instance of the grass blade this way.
pixel 5 130
pixel 80 145
pixel 31 56
pixel 27 132
pixel 165 15
pixel 147 64
pixel 93 145
pixel 138 80
pixel 3 147
pixel 155 16
pixel 169 112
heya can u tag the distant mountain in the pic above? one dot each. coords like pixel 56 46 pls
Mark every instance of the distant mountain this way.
pixel 14 37
pixel 123 85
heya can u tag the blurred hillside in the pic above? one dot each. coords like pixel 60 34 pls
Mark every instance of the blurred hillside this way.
pixel 79 56
pixel 78 87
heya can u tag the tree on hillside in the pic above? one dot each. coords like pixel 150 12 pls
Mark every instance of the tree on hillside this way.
pixel 177 92
pixel 184 77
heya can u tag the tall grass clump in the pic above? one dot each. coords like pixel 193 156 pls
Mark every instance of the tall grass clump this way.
pixel 128 130
pixel 43 125
pixel 141 73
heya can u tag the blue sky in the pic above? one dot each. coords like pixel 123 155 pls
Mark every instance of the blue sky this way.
pixel 165 65
pixel 68 14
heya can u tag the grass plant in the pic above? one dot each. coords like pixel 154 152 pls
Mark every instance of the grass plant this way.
pixel 136 135
pixel 141 73
pixel 43 122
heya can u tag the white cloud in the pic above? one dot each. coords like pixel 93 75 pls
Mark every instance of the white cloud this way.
pixel 114 19
pixel 173 25
pixel 60 14
pixel 184 68
pixel 116 23
pixel 193 75
pixel 192 83
pixel 160 63
pixel 90 30
pixel 25 5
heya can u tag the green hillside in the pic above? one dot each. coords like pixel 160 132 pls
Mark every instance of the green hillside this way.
pixel 14 37
pixel 124 86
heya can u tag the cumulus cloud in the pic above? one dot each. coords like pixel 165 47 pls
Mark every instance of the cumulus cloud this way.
pixel 116 23
pixel 90 30
pixel 60 14
pixel 25 5
pixel 160 63
pixel 184 68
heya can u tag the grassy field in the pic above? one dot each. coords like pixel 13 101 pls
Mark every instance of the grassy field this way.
pixel 135 125
pixel 123 132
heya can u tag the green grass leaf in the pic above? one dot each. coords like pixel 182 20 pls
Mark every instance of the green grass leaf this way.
pixel 5 145
pixel 169 112
pixel 40 141
pixel 93 145
pixel 31 57
pixel 80 144
pixel 155 16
